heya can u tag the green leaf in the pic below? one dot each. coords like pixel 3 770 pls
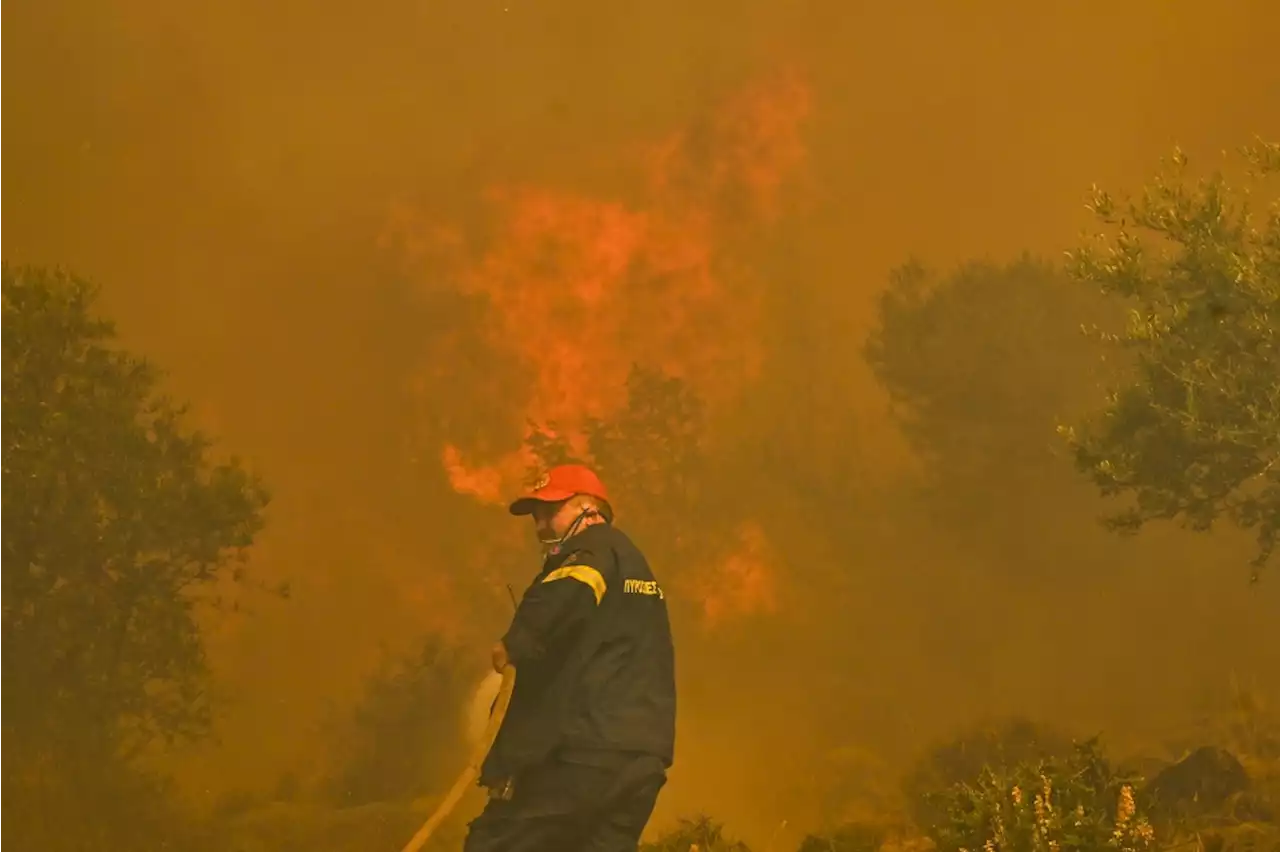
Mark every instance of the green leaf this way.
pixel 1192 432
pixel 117 525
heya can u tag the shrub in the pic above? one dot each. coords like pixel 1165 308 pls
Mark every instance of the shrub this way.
pixel 695 834
pixel 853 837
pixel 997 744
pixel 1075 804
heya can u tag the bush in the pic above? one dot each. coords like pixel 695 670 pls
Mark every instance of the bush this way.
pixel 1074 804
pixel 998 745
pixel 696 834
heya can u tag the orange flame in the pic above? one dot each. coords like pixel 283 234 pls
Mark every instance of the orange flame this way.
pixel 745 153
pixel 486 483
pixel 573 291
pixel 743 584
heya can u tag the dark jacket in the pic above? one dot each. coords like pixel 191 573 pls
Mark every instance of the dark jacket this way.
pixel 595 666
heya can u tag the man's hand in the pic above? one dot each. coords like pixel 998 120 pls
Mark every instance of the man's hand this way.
pixel 500 658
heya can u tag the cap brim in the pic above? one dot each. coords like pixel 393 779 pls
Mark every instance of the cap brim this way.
pixel 525 505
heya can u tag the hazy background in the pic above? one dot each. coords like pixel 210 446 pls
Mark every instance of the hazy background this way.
pixel 230 172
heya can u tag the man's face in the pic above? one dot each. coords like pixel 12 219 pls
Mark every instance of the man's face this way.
pixel 552 520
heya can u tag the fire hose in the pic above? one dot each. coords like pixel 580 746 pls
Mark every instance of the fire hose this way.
pixel 472 771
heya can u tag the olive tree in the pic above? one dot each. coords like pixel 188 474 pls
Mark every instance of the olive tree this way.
pixel 973 361
pixel 115 523
pixel 981 362
pixel 1192 431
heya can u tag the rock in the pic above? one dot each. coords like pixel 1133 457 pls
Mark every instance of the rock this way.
pixel 1202 782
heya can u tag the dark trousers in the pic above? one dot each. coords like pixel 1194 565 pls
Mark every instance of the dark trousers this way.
pixel 571 807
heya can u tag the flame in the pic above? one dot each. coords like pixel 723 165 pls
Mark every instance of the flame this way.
pixel 743 584
pixel 744 154
pixel 486 483
pixel 571 291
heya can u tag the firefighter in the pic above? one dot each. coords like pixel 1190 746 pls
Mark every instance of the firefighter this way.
pixel 590 730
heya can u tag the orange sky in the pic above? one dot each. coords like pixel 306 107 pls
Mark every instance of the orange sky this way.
pixel 297 234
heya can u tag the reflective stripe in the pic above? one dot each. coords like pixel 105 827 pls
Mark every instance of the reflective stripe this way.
pixel 583 574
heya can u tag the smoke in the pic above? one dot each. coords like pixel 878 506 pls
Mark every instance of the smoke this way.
pixel 716 191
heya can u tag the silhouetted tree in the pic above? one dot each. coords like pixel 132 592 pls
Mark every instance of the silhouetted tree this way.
pixel 1193 431
pixel 405 738
pixel 652 456
pixel 652 447
pixel 115 522
pixel 980 364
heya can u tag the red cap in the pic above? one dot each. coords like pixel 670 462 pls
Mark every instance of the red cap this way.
pixel 561 483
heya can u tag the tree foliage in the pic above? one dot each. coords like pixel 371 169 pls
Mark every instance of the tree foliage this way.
pixel 1193 433
pixel 970 361
pixel 979 364
pixel 115 520
pixel 670 496
pixel 652 451
pixel 406 736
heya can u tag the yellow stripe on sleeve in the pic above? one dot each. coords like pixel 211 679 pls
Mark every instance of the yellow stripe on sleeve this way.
pixel 585 574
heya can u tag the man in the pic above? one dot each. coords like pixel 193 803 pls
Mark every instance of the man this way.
pixel 590 730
